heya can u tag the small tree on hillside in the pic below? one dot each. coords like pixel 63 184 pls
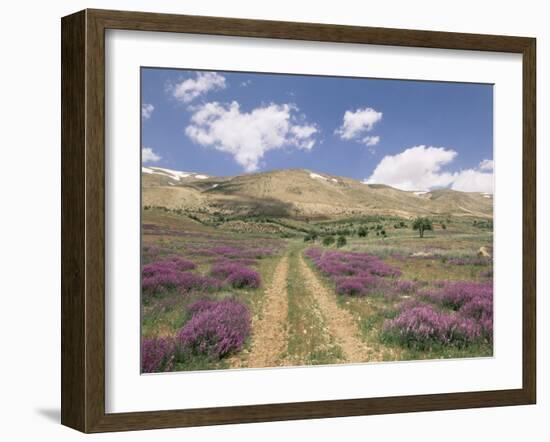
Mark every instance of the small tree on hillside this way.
pixel 341 242
pixel 328 240
pixel 362 231
pixel 421 224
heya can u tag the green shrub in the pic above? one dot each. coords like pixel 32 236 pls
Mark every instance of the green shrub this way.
pixel 341 242
pixel 422 224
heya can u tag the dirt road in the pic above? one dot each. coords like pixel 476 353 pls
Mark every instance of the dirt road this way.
pixel 340 322
pixel 269 333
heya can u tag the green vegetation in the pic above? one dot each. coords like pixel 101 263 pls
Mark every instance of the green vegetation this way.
pixel 483 224
pixel 422 224
pixel 341 241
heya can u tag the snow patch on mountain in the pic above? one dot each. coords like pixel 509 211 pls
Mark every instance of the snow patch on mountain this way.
pixel 175 175
pixel 316 176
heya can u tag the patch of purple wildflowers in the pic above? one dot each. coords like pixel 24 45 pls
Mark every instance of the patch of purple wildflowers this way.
pixel 423 326
pixel 216 328
pixel 157 355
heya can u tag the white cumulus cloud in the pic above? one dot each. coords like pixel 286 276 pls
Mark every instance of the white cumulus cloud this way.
pixel 249 135
pixel 371 140
pixel 416 168
pixel 191 88
pixel 356 123
pixel 147 110
pixel 421 168
pixel 149 156
pixel 487 165
pixel 473 180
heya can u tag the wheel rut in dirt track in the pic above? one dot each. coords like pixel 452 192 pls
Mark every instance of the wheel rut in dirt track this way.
pixel 269 339
pixel 341 323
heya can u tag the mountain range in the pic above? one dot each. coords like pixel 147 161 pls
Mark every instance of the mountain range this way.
pixel 300 193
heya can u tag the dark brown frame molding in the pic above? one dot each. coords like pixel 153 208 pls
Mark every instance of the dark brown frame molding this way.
pixel 83 217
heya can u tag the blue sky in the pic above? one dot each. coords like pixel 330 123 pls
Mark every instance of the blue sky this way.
pixel 413 135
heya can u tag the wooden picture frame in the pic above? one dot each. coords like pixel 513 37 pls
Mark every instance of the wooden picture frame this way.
pixel 83 220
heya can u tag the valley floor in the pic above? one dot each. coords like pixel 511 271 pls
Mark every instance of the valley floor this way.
pixel 303 312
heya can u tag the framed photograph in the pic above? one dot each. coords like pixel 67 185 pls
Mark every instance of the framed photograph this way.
pixel 268 220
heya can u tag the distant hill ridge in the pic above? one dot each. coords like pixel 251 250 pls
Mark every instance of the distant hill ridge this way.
pixel 302 193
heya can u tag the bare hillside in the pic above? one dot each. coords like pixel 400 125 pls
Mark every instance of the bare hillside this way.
pixel 301 193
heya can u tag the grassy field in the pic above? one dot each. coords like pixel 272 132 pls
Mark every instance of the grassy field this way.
pixel 211 284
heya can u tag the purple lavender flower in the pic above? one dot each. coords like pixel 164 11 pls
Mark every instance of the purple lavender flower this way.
pixel 353 273
pixel 160 282
pixel 313 253
pixel 244 278
pixel 236 275
pixel 171 264
pixel 455 294
pixel 191 281
pixel 216 328
pixel 422 327
pixel 157 355
pixel 350 287
pixel 151 251
pixel 171 274
pixel 405 286
pixel 223 269
pixel 478 307
pixel 486 324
